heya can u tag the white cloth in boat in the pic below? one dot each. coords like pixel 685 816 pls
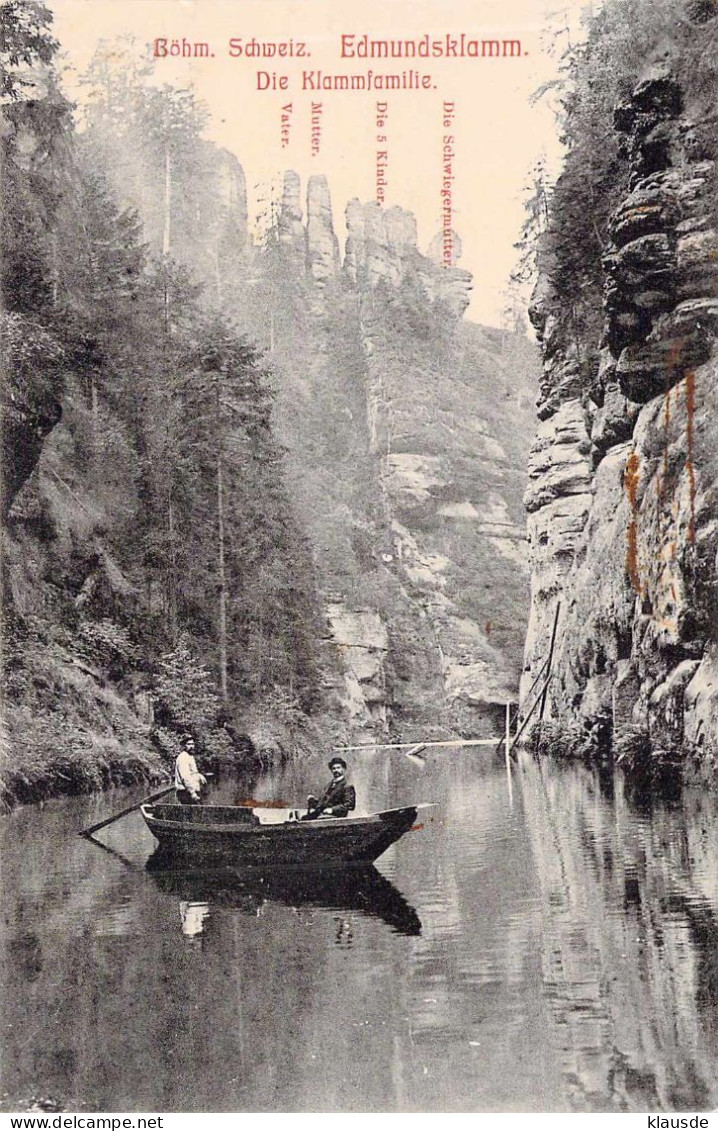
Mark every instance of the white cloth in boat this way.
pixel 187 776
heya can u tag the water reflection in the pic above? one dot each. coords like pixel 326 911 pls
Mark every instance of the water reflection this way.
pixel 362 890
pixel 549 949
pixel 192 917
pixel 629 938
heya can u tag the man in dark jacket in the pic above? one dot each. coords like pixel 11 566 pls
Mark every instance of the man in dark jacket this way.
pixel 338 798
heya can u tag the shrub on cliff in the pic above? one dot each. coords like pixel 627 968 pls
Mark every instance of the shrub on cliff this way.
pixel 567 739
pixel 566 230
pixel 185 691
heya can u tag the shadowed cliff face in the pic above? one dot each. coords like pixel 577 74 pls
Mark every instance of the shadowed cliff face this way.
pixel 623 514
pixel 406 434
pixel 31 404
pixel 32 359
pixel 406 431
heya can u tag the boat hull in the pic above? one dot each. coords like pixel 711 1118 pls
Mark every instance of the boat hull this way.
pixel 232 835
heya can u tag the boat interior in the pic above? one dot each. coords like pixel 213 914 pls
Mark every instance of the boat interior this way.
pixel 204 814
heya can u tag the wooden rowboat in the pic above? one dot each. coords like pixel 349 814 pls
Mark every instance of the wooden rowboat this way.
pixel 234 834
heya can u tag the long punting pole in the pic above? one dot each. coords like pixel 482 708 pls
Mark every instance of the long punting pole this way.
pixel 534 685
pixel 526 721
pixel 541 697
pixel 548 666
pixel 507 740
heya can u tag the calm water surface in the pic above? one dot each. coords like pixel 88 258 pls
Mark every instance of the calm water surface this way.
pixel 548 947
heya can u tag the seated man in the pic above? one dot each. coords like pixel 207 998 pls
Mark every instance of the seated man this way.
pixel 188 779
pixel 338 798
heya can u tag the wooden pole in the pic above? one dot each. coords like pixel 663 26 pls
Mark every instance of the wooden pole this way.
pixel 548 668
pixel 508 752
pixel 526 720
pixel 173 565
pixel 535 683
pixel 529 693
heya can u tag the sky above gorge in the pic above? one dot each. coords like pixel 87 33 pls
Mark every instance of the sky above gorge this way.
pixel 497 133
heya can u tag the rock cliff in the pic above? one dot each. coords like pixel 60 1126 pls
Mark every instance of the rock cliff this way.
pixel 382 248
pixel 405 431
pixel 322 243
pixel 406 435
pixel 623 474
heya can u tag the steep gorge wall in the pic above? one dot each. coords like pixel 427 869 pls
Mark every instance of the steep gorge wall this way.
pixel 623 474
pixel 405 429
pixel 406 434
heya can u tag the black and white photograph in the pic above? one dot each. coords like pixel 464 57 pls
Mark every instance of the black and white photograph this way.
pixel 359 677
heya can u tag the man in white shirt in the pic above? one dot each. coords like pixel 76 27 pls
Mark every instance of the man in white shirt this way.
pixel 188 779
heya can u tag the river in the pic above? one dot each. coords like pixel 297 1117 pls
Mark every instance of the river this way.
pixel 548 943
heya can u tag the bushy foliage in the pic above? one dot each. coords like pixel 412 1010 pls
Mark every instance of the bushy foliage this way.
pixel 25 40
pixel 186 692
pixel 633 750
pixel 566 230
pixel 565 739
pixel 108 643
pixel 33 366
pixel 173 536
pixel 186 699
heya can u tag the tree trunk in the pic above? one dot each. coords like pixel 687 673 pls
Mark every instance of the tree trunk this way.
pixel 172 596
pixel 168 200
pixel 220 559
pixel 218 278
pixel 55 270
pixel 93 402
pixel 166 234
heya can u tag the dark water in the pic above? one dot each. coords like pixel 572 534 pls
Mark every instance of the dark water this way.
pixel 549 948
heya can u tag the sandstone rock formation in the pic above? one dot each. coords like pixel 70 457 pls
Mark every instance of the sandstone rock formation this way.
pixel 382 247
pixel 292 237
pixel 231 187
pixel 362 640
pixel 623 518
pixel 322 243
pixel 406 468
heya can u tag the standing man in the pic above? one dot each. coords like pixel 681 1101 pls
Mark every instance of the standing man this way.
pixel 338 798
pixel 188 779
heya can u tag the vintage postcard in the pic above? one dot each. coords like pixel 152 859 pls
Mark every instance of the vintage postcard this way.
pixel 360 521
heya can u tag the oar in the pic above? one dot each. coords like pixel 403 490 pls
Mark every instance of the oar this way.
pixel 123 812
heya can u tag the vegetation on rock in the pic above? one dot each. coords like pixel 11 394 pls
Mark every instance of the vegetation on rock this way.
pixel 154 515
pixel 623 473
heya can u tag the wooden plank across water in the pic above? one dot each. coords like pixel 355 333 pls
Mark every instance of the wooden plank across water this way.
pixel 410 745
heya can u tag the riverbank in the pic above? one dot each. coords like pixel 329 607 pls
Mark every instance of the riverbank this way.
pixel 67 730
pixel 72 727
pixel 641 764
